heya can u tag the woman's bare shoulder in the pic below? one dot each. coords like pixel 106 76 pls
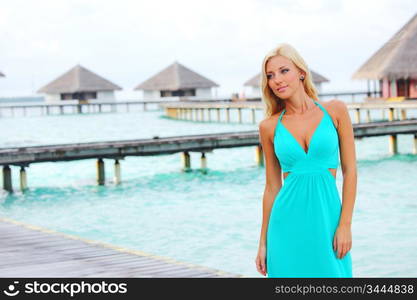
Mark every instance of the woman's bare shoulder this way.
pixel 336 108
pixel 267 125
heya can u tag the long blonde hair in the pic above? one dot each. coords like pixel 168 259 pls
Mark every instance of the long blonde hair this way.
pixel 272 103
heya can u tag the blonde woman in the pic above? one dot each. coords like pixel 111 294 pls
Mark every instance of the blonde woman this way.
pixel 306 228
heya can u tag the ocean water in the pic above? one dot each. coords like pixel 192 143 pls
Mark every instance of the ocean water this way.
pixel 211 219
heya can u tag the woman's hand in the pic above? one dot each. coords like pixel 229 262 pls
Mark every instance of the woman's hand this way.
pixel 260 260
pixel 342 241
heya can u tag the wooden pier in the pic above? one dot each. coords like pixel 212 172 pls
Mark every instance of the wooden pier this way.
pixel 203 143
pixel 32 251
pixel 207 112
pixel 85 106
pixel 95 106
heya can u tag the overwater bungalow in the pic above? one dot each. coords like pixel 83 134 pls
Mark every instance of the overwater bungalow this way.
pixel 178 80
pixel 255 83
pixel 393 68
pixel 79 83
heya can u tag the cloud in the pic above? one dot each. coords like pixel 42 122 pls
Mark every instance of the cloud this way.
pixel 129 41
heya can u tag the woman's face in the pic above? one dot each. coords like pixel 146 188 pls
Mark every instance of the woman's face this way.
pixel 283 77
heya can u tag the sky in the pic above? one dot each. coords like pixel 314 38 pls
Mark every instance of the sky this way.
pixel 129 41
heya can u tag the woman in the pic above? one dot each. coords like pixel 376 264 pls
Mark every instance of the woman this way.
pixel 306 230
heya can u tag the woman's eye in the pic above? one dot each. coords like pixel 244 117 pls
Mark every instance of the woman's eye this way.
pixel 285 70
pixel 268 76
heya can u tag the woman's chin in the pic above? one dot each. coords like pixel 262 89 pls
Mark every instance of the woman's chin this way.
pixel 283 95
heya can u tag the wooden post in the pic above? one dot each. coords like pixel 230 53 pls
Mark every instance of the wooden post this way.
pixel 203 162
pixel 202 114
pixel 403 114
pixel 209 114
pixel 99 108
pixel 117 177
pixel 393 147
pixel 100 172
pixel 186 161
pixel 218 114
pixel 358 115
pixel 391 114
pixel 368 115
pixel 239 113
pixel 7 179
pixel 228 115
pixel 79 108
pixel 253 116
pixel 23 179
pixel 259 157
pixel 144 107
pixel 393 144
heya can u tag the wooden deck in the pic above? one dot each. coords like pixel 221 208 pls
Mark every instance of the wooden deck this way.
pixel 374 104
pixel 23 156
pixel 88 106
pixel 32 251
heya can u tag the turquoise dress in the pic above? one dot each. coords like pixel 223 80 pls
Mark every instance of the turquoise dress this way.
pixel 306 211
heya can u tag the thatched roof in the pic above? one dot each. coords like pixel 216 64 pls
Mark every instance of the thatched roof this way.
pixel 175 77
pixel 396 59
pixel 1 74
pixel 256 80
pixel 79 79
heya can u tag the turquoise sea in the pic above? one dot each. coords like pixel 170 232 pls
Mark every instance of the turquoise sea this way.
pixel 211 219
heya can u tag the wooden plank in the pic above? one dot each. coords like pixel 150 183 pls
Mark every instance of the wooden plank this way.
pixel 170 145
pixel 29 251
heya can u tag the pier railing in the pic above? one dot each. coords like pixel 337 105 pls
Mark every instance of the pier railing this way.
pixel 221 112
pixel 98 106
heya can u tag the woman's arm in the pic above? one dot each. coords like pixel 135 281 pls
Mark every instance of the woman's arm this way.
pixel 343 241
pixel 272 172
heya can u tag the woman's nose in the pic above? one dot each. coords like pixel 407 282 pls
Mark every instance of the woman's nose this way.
pixel 277 80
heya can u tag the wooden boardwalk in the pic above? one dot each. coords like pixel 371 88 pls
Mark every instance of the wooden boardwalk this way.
pixel 88 106
pixel 23 156
pixel 32 251
pixel 203 143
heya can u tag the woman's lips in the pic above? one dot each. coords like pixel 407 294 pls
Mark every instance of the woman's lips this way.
pixel 282 89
